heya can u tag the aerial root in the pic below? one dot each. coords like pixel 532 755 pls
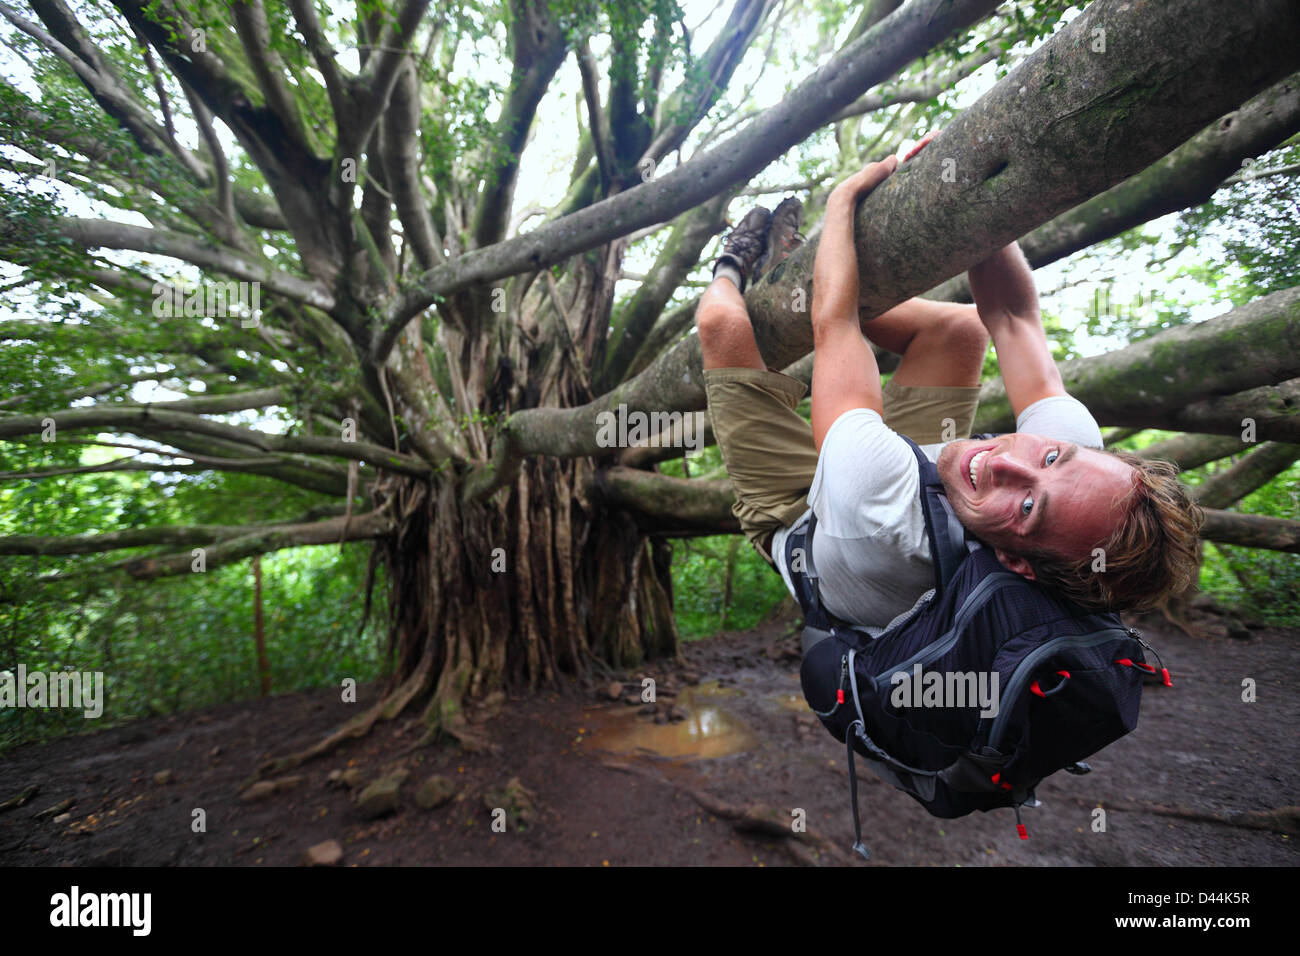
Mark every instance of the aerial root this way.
pixel 355 728
pixel 388 707
pixel 806 848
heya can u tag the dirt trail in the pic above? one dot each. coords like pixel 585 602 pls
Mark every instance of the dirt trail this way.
pixel 586 795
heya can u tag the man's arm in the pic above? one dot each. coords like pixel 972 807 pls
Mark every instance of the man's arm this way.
pixel 845 373
pixel 1003 288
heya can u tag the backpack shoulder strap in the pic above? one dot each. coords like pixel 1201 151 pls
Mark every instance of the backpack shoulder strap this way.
pixel 947 536
pixel 803 573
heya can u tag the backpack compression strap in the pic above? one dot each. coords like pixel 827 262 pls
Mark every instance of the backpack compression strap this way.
pixel 947 536
pixel 803 574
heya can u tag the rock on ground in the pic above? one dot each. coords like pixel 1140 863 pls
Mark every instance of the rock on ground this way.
pixel 328 853
pixel 379 798
pixel 434 792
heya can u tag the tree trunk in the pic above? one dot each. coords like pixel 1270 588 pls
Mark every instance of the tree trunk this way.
pixel 259 636
pixel 541 579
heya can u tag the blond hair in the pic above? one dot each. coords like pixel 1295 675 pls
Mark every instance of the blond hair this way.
pixel 1153 551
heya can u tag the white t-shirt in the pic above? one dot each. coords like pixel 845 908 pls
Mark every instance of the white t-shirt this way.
pixel 870 549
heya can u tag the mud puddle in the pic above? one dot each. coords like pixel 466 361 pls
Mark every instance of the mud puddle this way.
pixel 710 729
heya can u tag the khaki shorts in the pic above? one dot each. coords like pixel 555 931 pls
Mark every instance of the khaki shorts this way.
pixel 767 447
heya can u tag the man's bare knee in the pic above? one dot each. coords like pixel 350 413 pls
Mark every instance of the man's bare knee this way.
pixel 948 351
pixel 966 329
pixel 726 336
pixel 720 322
pixel 963 336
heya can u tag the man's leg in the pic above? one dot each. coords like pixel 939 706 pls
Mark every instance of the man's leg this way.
pixel 726 335
pixel 933 395
pixel 942 343
pixel 766 446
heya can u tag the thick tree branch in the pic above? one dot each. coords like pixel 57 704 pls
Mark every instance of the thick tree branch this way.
pixel 1267 413
pixel 1251 531
pixel 873 58
pixel 1041 141
pixel 263 540
pixel 71 391
pixel 691 102
pixel 668 329
pixel 1191 451
pixel 537 43
pixel 255 37
pixel 260 212
pixel 105 234
pixel 220 172
pixel 1254 471
pixel 314 474
pixel 672 506
pixel 162 419
pixel 304 14
pixel 74 49
pixel 171 535
pixel 1188 176
pixel 704 507
pixel 870 13
pixel 130 463
pixel 288 469
pixel 372 87
pixel 257 210
pixel 296 175
pixel 294 469
pixel 399 134
pixel 597 124
pixel 1173 372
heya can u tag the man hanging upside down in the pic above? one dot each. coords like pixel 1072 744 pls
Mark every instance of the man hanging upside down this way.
pixel 1045 497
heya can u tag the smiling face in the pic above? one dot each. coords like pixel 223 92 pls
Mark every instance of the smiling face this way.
pixel 1025 493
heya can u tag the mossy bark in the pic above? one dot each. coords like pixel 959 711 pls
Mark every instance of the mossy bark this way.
pixel 1170 375
pixel 540 583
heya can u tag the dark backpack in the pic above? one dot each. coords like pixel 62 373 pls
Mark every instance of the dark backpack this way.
pixel 1069 679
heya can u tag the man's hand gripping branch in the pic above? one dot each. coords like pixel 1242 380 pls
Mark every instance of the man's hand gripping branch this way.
pixel 845 373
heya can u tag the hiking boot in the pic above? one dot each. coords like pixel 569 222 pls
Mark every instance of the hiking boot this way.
pixel 785 237
pixel 746 244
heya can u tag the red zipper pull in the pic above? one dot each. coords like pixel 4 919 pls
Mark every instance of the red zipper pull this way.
pixel 1020 827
